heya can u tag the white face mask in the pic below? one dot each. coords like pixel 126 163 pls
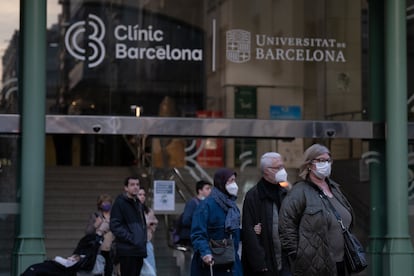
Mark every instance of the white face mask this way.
pixel 322 170
pixel 232 188
pixel 281 176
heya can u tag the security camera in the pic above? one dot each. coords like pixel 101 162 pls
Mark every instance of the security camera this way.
pixel 96 128
pixel 330 132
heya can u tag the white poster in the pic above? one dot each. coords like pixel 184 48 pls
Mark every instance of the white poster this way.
pixel 164 195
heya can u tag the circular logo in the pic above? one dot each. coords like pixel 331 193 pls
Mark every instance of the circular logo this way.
pixel 77 32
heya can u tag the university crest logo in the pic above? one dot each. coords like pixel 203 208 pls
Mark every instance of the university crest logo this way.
pixel 238 45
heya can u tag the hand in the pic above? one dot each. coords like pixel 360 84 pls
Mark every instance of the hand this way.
pixel 208 259
pixel 98 221
pixel 258 228
pixel 103 228
pixel 74 258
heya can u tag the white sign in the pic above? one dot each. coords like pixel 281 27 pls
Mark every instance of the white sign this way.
pixel 242 46
pixel 164 195
pixel 123 34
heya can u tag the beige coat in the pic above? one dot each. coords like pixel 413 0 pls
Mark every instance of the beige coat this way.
pixel 152 223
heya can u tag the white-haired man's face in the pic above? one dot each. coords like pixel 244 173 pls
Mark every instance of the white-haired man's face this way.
pixel 272 168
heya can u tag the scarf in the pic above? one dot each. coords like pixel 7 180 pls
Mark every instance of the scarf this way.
pixel 228 204
pixel 272 192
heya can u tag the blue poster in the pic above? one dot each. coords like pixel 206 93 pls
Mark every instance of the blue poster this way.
pixel 285 112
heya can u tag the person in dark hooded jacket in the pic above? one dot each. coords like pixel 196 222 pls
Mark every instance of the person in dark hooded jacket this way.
pixel 261 250
pixel 128 225
pixel 217 217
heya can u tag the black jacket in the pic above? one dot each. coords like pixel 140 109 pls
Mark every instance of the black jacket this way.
pixel 87 248
pixel 129 227
pixel 303 223
pixel 258 251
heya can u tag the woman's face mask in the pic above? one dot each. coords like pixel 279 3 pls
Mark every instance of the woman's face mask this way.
pixel 322 169
pixel 106 206
pixel 232 188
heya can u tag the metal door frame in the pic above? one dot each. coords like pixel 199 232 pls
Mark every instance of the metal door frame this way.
pixel 204 127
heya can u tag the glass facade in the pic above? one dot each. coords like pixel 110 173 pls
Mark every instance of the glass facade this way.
pixel 105 57
pixel 231 59
pixel 9 151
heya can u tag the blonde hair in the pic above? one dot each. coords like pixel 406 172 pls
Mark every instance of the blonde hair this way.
pixel 311 153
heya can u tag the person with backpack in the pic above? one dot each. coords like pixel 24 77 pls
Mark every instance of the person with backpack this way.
pixel 203 190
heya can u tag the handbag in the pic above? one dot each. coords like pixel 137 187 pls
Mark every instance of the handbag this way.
pixel 222 251
pixel 354 252
pixel 355 258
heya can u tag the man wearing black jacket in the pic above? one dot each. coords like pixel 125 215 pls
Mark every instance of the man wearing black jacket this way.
pixel 128 225
pixel 261 250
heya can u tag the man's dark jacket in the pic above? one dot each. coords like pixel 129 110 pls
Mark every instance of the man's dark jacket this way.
pixel 258 250
pixel 129 227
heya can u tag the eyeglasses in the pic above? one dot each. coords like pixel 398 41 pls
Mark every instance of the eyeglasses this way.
pixel 277 168
pixel 321 160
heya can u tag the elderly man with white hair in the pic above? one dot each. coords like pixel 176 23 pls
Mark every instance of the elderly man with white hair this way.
pixel 261 250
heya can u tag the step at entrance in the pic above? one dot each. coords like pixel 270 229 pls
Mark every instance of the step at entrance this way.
pixel 70 197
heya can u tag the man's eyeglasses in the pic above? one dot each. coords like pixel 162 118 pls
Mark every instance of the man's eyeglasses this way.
pixel 321 160
pixel 276 168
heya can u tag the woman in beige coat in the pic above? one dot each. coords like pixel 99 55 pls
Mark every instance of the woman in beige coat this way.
pixel 149 267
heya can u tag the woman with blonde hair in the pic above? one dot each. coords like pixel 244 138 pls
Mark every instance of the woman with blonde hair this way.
pixel 149 267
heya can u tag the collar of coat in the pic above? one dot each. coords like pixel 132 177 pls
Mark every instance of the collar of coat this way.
pixel 262 190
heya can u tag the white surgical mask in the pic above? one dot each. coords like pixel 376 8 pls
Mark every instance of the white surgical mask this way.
pixel 322 170
pixel 281 176
pixel 232 188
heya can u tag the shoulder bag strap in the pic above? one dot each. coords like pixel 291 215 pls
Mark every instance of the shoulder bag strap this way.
pixel 338 217
pixel 323 196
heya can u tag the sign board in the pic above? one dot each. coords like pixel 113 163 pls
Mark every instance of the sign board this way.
pixel 211 155
pixel 245 106
pixel 164 195
pixel 285 112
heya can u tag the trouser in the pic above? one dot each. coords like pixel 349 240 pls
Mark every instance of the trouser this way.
pixel 340 267
pixel 130 265
pixel 109 266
